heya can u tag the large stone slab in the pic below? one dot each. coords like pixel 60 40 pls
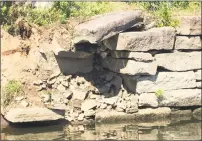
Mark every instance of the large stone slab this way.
pixel 76 51
pixel 190 25
pixel 183 97
pixel 183 42
pixel 138 56
pixel 163 80
pixel 130 67
pixel 181 113
pixel 179 61
pixel 153 39
pixel 34 114
pixel 75 65
pixel 106 26
pixel 142 115
pixel 71 54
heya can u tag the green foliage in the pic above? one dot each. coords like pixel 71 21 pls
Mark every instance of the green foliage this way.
pixel 10 91
pixel 4 12
pixel 80 9
pixel 163 11
pixel 13 87
pixel 62 10
pixel 33 15
pixel 91 8
pixel 164 16
pixel 159 93
pixel 42 16
pixel 180 4
pixel 149 6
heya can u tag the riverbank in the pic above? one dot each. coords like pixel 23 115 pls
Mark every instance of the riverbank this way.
pixel 123 68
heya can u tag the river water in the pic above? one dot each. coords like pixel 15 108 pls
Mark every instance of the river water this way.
pixel 161 130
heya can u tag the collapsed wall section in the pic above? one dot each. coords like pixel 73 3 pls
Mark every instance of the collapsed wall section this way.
pixel 126 74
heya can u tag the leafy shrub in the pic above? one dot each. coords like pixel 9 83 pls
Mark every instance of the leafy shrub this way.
pixel 80 9
pixel 62 10
pixel 91 8
pixel 180 4
pixel 159 93
pixel 164 16
pixel 161 11
pixel 65 9
pixel 10 91
pixel 4 12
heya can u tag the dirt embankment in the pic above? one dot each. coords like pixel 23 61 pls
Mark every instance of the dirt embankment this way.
pixel 20 57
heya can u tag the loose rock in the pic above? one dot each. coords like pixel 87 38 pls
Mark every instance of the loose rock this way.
pixel 55 74
pixel 46 98
pixel 51 82
pixel 118 109
pixel 80 117
pixel 121 105
pixel 24 103
pixel 61 88
pixel 76 103
pixel 89 113
pixel 88 104
pixel 65 84
pixel 38 83
pixel 131 110
pixel 19 98
pixel 148 99
pixel 68 94
pixel 110 101
pixel 79 94
pixel 103 106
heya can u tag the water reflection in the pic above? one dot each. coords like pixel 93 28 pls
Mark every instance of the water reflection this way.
pixel 162 130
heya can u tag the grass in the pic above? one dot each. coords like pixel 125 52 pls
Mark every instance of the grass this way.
pixel 10 92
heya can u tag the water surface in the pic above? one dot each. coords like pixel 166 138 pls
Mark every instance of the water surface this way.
pixel 158 130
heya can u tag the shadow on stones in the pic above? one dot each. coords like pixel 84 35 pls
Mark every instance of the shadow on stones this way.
pixel 92 72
